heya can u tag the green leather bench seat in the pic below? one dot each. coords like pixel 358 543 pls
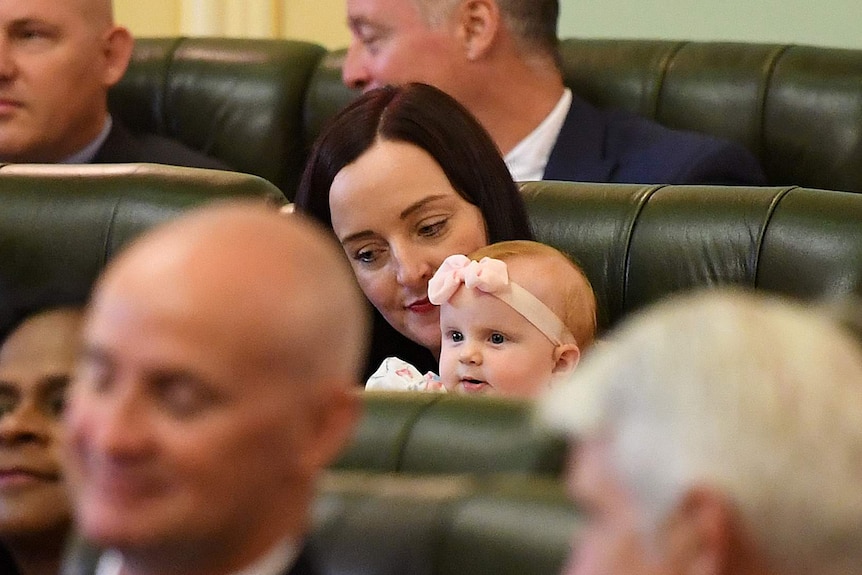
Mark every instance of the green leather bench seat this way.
pixel 60 224
pixel 425 433
pixel 638 244
pixel 259 104
pixel 445 525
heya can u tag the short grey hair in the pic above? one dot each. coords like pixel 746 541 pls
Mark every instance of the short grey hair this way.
pixel 757 397
pixel 533 23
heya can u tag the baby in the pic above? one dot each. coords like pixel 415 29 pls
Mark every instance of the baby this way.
pixel 514 317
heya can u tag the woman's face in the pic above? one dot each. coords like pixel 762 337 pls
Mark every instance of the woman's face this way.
pixel 397 217
pixel 36 361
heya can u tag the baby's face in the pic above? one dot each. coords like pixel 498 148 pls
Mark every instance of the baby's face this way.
pixel 490 348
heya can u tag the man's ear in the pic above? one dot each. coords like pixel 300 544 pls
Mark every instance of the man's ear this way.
pixel 699 534
pixel 334 426
pixel 479 24
pixel 566 358
pixel 117 51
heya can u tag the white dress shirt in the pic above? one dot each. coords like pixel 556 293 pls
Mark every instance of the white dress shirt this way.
pixel 275 562
pixel 527 160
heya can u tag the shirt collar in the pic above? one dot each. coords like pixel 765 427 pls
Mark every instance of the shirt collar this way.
pixel 276 561
pixel 527 160
pixel 86 155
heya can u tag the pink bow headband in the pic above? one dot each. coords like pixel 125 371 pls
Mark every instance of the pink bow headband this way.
pixel 491 276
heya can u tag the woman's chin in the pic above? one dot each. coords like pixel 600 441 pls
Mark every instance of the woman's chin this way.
pixel 425 330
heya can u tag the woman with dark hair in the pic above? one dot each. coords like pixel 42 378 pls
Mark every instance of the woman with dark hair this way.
pixel 405 176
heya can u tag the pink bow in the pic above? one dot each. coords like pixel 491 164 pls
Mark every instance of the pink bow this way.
pixel 487 275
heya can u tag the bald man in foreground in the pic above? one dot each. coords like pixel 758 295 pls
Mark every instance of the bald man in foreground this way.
pixel 220 356
pixel 58 59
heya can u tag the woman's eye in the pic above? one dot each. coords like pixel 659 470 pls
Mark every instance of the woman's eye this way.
pixel 432 229
pixel 497 338
pixel 366 256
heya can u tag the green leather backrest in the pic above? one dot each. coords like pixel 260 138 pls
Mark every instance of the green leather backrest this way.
pixel 638 244
pixel 798 108
pixel 259 104
pixel 240 101
pixel 411 525
pixel 60 224
pixel 424 433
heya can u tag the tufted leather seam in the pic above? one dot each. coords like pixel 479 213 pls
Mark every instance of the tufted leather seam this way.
pixel 110 235
pixel 171 58
pixel 641 204
pixel 407 431
pixel 663 66
pixel 773 205
pixel 763 95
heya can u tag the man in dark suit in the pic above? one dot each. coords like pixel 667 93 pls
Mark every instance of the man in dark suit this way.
pixel 499 58
pixel 220 357
pixel 58 59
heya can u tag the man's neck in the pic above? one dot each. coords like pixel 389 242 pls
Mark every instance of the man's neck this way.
pixel 514 103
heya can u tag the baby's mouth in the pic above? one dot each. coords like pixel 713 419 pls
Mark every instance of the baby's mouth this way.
pixel 473 385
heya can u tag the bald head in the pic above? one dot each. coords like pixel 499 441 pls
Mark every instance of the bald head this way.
pixel 216 382
pixel 275 284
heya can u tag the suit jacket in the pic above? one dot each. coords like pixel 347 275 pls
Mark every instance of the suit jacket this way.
pixel 616 146
pixel 304 564
pixel 122 146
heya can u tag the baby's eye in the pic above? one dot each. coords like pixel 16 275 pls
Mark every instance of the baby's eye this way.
pixel 456 336
pixel 497 338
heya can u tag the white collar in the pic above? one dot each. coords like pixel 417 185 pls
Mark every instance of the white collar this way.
pixel 274 562
pixel 86 155
pixel 527 160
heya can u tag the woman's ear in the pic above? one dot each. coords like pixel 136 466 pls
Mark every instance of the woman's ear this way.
pixel 479 23
pixel 566 358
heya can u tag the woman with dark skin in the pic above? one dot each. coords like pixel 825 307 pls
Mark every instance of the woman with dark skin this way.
pixel 405 176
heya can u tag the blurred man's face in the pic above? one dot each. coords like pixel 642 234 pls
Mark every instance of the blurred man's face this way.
pixel 53 78
pixel 393 44
pixel 181 435
pixel 613 541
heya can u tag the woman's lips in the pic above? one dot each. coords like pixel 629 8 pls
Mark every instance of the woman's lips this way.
pixel 421 306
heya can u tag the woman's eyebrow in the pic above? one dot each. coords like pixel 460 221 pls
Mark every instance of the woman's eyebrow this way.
pixel 412 208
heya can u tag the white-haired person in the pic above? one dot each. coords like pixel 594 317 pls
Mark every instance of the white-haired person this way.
pixel 717 433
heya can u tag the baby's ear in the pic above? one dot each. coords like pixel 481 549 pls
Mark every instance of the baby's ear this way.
pixel 566 357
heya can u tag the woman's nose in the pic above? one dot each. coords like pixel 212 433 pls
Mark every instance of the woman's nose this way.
pixel 413 268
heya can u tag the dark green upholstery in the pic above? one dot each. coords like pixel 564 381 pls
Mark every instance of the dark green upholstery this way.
pixel 798 108
pixel 259 104
pixel 60 224
pixel 419 433
pixel 638 244
pixel 241 101
pixel 383 525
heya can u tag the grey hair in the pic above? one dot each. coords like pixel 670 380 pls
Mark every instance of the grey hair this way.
pixel 757 397
pixel 533 23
